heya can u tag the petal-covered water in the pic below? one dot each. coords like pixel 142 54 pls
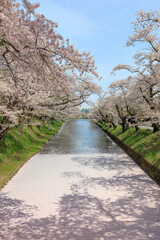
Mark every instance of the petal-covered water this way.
pixel 82 186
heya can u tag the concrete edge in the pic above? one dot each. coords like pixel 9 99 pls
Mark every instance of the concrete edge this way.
pixel 152 170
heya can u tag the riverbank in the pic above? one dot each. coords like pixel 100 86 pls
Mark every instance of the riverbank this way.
pixel 16 149
pixel 143 146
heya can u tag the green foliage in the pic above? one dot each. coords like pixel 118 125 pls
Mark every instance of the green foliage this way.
pixel 16 149
pixel 85 110
pixel 143 141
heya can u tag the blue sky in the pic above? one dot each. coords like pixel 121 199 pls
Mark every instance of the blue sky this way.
pixel 99 26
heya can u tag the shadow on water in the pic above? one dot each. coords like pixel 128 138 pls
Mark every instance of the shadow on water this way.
pixel 108 198
pixel 79 136
pixel 126 213
pixel 83 217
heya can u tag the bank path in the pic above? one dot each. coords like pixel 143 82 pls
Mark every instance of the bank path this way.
pixel 82 186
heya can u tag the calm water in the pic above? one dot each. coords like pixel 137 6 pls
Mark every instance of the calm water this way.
pixel 80 136
pixel 82 186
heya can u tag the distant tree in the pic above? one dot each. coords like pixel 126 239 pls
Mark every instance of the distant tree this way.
pixel 139 95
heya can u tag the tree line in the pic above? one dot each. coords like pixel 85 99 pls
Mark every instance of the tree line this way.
pixel 138 96
pixel 42 75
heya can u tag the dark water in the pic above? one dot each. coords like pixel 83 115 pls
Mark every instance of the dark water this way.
pixel 80 136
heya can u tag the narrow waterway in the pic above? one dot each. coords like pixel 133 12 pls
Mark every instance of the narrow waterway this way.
pixel 82 186
pixel 80 137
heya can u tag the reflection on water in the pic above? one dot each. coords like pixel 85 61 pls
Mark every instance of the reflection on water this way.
pixel 79 136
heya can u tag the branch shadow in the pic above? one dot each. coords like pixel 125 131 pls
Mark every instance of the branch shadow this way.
pixel 107 161
pixel 84 218
pixel 122 206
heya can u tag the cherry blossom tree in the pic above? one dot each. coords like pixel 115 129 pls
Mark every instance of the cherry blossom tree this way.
pixel 147 87
pixel 41 73
pixel 146 74
pixel 104 110
pixel 146 31
pixel 138 96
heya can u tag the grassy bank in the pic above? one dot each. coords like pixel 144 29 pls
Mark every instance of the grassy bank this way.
pixel 16 149
pixel 143 142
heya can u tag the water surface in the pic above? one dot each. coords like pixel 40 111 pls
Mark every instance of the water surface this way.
pixel 80 136
pixel 82 186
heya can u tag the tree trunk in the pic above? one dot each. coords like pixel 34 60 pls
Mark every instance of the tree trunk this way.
pixel 2 132
pixel 125 125
pixel 39 127
pixel 156 127
pixel 114 125
pixel 21 124
pixel 4 122
pixel 136 127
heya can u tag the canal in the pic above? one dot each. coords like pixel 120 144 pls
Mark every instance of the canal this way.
pixel 81 186
pixel 80 137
